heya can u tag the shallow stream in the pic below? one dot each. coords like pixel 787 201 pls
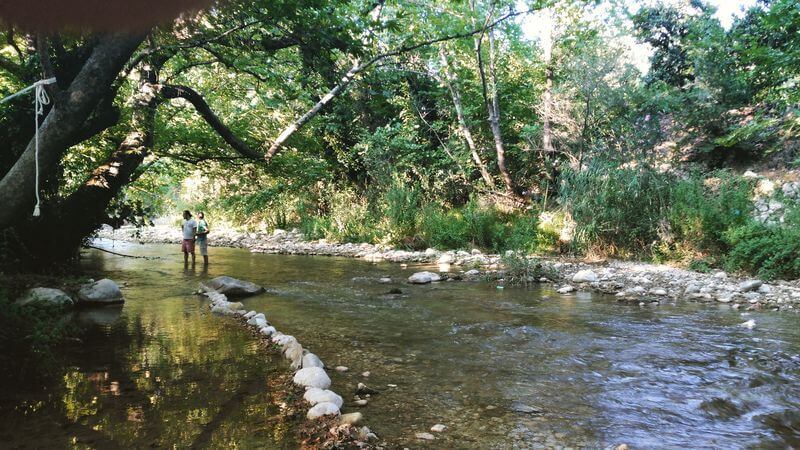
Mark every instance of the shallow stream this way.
pixel 501 368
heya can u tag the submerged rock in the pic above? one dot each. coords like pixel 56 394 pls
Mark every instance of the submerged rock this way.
pixel 438 428
pixel 312 377
pixel 352 418
pixel 102 292
pixel 566 289
pixel 425 436
pixel 47 296
pixel 233 287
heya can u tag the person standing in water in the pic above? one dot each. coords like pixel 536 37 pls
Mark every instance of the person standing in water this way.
pixel 189 235
pixel 202 236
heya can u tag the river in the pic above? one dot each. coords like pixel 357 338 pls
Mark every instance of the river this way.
pixel 501 368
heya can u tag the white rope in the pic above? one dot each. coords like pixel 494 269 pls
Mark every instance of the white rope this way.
pixel 40 99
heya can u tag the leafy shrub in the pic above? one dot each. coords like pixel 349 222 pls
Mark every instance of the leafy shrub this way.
pixel 769 251
pixel 702 209
pixel 522 270
pixel 401 207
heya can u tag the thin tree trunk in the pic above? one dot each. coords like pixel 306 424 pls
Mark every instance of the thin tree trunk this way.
pixel 462 122
pixel 494 121
pixel 66 117
pixel 547 97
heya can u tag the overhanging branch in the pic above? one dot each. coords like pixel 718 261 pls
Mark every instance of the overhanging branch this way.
pixel 359 67
pixel 199 103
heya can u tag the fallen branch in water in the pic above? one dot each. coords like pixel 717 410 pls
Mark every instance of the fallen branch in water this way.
pixel 122 254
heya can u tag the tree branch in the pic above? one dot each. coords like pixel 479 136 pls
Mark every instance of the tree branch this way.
pixel 199 103
pixel 359 67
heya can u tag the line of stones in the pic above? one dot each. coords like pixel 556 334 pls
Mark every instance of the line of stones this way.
pixel 309 369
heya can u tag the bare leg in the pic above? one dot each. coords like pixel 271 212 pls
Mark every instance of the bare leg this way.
pixel 205 259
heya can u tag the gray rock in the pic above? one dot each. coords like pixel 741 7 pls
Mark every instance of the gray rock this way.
pixel 566 289
pixel 233 287
pixel 750 285
pixel 102 292
pixel 424 278
pixel 523 408
pixel 47 296
pixel 425 436
pixel 351 418
pixel 312 360
pixel 438 428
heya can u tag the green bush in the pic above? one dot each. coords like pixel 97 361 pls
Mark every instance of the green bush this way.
pixel 401 206
pixel 769 251
pixel 703 209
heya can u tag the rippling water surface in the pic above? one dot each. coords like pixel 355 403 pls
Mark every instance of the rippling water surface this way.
pixel 502 368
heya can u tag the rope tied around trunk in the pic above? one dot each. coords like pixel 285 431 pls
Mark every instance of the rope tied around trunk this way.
pixel 40 99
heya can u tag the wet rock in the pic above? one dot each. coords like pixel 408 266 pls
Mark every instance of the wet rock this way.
pixel 352 418
pixel 472 273
pixel 750 285
pixel 259 321
pixel 293 351
pixel 425 436
pixel 341 369
pixel 224 310
pixel 312 377
pixel 249 315
pixel 523 408
pixel 233 287
pixel 566 289
pixel 366 374
pixel 316 395
pixel 438 428
pixel 384 280
pixel 584 276
pixel 322 409
pixel 750 324
pixel 424 278
pixel 268 331
pixel 312 360
pixel 361 402
pixel 48 296
pixel 363 389
pixel 100 293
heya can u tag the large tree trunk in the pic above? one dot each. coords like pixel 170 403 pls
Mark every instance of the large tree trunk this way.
pixel 60 235
pixel 62 122
pixel 462 121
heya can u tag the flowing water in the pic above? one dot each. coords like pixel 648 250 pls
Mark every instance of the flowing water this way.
pixel 502 368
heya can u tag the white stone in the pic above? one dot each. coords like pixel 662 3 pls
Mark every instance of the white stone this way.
pixel 425 436
pixel 584 276
pixel 312 377
pixel 322 409
pixel 659 292
pixel 45 295
pixel 750 174
pixel 341 369
pixel 101 292
pixel 566 289
pixel 446 258
pixel 721 275
pixel 312 360
pixel 424 278
pixel 472 273
pixel 438 428
pixel 268 331
pixel 750 324
pixel 250 315
pixel 316 395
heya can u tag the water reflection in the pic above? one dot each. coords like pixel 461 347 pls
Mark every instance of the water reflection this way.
pixel 511 368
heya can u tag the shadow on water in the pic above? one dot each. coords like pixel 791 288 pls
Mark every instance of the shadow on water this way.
pixel 512 368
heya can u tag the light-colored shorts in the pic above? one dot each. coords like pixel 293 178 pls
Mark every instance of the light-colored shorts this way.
pixel 187 246
pixel 203 244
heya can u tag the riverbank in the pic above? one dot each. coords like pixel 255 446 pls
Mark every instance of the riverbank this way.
pixel 645 283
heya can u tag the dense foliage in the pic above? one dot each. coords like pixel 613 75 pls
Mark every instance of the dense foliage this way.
pixel 465 129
